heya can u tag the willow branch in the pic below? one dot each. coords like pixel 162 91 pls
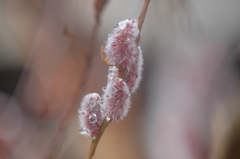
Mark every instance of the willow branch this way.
pixel 99 6
pixel 87 56
pixel 122 75
pixel 96 141
pixel 77 43
pixel 143 13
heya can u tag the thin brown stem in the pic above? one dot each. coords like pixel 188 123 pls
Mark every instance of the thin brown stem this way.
pixel 92 41
pixel 96 141
pixel 143 13
pixel 87 57
pixel 123 73
pixel 99 5
pixel 77 43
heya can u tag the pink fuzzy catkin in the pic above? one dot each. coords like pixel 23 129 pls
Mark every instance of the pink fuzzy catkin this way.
pixel 121 48
pixel 90 117
pixel 122 51
pixel 116 99
pixel 124 57
pixel 134 75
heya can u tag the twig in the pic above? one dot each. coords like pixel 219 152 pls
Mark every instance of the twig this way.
pixel 87 56
pixel 58 134
pixel 99 5
pixel 98 8
pixel 123 73
pixel 96 141
pixel 77 43
pixel 143 13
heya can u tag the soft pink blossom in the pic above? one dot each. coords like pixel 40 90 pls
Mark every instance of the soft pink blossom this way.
pixel 116 99
pixel 90 117
pixel 121 48
pixel 134 75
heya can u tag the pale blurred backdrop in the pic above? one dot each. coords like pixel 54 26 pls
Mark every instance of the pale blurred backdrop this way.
pixel 188 103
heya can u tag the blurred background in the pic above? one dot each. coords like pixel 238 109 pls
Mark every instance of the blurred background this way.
pixel 188 103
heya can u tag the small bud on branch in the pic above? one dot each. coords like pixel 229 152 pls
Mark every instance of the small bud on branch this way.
pixel 123 55
pixel 90 116
pixel 116 99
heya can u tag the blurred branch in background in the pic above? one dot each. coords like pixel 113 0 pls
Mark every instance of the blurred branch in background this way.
pixel 187 106
pixel 87 60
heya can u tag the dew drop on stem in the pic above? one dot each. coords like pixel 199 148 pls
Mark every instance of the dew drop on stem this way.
pixel 108 119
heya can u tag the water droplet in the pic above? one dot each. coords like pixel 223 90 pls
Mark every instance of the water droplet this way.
pixel 115 26
pixel 94 138
pixel 129 94
pixel 134 24
pixel 110 76
pixel 104 89
pixel 82 112
pixel 110 71
pixel 92 104
pixel 122 25
pixel 114 68
pixel 108 119
pixel 83 131
pixel 97 98
pixel 101 103
pixel 93 118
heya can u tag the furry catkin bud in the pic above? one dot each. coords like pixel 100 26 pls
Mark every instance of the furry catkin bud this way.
pixel 134 75
pixel 90 117
pixel 116 99
pixel 121 47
